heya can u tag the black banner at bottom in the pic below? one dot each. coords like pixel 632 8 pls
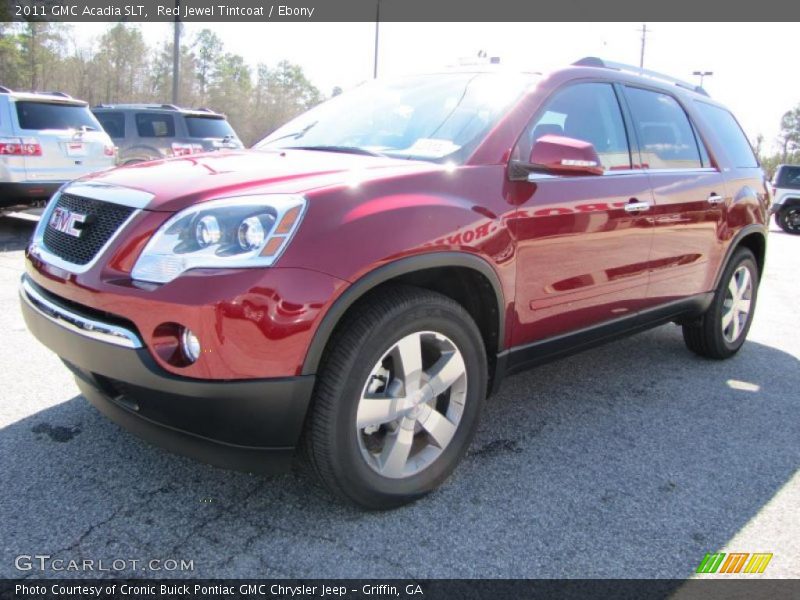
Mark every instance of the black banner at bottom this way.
pixel 423 589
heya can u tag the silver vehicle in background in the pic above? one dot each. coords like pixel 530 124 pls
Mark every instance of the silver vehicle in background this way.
pixel 145 132
pixel 47 139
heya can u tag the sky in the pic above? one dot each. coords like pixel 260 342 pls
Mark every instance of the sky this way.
pixel 749 60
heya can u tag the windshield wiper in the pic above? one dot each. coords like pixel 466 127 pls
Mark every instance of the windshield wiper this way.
pixel 296 135
pixel 342 149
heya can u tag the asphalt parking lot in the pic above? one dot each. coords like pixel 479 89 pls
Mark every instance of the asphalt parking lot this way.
pixel 631 460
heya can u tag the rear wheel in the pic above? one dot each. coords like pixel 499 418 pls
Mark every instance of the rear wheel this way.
pixel 722 330
pixel 788 219
pixel 397 398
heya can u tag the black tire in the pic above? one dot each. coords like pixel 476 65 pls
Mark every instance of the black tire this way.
pixel 333 444
pixel 788 219
pixel 705 335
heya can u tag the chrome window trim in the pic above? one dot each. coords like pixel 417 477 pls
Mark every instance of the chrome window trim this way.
pixel 623 173
pixel 37 246
pixel 84 326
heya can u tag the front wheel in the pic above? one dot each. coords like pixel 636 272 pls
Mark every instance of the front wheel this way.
pixel 788 219
pixel 723 328
pixel 397 398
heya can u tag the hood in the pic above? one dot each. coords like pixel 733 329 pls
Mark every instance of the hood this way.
pixel 180 182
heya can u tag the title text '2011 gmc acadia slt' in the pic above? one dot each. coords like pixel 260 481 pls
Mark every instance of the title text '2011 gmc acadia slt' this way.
pixel 360 281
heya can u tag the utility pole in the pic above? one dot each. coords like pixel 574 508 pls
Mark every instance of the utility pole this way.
pixel 644 41
pixel 377 33
pixel 176 54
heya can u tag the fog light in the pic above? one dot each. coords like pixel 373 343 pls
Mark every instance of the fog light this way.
pixel 190 345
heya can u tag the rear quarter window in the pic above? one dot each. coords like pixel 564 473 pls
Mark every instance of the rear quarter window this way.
pixel 208 127
pixel 50 115
pixel 729 135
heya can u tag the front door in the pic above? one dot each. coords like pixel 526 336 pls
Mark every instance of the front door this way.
pixel 583 241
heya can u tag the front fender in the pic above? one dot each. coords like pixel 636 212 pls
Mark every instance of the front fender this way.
pixel 391 271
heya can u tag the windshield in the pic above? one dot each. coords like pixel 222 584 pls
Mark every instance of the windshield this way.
pixel 209 127
pixel 49 115
pixel 428 117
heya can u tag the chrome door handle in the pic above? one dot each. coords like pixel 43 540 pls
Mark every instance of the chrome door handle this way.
pixel 636 206
pixel 715 199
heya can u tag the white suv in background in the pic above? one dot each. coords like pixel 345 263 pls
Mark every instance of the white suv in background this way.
pixel 47 139
pixel 786 194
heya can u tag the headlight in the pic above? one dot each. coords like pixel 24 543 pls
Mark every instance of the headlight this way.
pixel 246 231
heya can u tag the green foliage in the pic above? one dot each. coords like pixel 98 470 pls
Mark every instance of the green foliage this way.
pixel 790 132
pixel 120 67
pixel 788 142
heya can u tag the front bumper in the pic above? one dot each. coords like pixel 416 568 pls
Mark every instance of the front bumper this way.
pixel 250 425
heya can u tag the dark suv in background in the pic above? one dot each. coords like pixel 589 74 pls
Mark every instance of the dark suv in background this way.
pixel 145 132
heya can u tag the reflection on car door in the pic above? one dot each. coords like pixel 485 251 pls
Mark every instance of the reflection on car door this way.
pixel 582 257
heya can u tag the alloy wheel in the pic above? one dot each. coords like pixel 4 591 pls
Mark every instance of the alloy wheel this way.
pixel 411 404
pixel 737 304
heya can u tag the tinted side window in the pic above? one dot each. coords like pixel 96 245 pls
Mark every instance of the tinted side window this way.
pixel 208 127
pixel 113 123
pixel 155 125
pixel 789 177
pixel 666 138
pixel 588 112
pixel 730 135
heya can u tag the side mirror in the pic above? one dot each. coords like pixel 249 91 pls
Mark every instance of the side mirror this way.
pixel 564 156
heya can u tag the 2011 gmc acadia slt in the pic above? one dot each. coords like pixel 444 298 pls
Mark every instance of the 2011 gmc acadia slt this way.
pixel 363 278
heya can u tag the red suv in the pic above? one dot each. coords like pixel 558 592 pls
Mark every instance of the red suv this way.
pixel 362 279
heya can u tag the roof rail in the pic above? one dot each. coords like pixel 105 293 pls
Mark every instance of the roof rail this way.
pixel 137 106
pixel 4 90
pixel 593 61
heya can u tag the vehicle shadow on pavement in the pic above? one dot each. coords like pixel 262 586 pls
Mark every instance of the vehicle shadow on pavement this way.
pixel 631 460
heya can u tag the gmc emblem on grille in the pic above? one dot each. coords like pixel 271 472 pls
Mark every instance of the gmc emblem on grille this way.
pixel 65 221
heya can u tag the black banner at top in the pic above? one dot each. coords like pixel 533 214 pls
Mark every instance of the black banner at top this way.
pixel 398 10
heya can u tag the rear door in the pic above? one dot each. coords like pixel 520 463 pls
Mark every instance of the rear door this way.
pixel 72 141
pixel 582 255
pixel 747 185
pixel 156 133
pixel 690 197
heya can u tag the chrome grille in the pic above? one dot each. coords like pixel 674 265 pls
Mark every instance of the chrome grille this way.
pixel 103 219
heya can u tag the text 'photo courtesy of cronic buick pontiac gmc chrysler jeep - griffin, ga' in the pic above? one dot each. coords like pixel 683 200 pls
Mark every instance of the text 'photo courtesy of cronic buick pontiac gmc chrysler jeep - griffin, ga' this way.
pixel 354 287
